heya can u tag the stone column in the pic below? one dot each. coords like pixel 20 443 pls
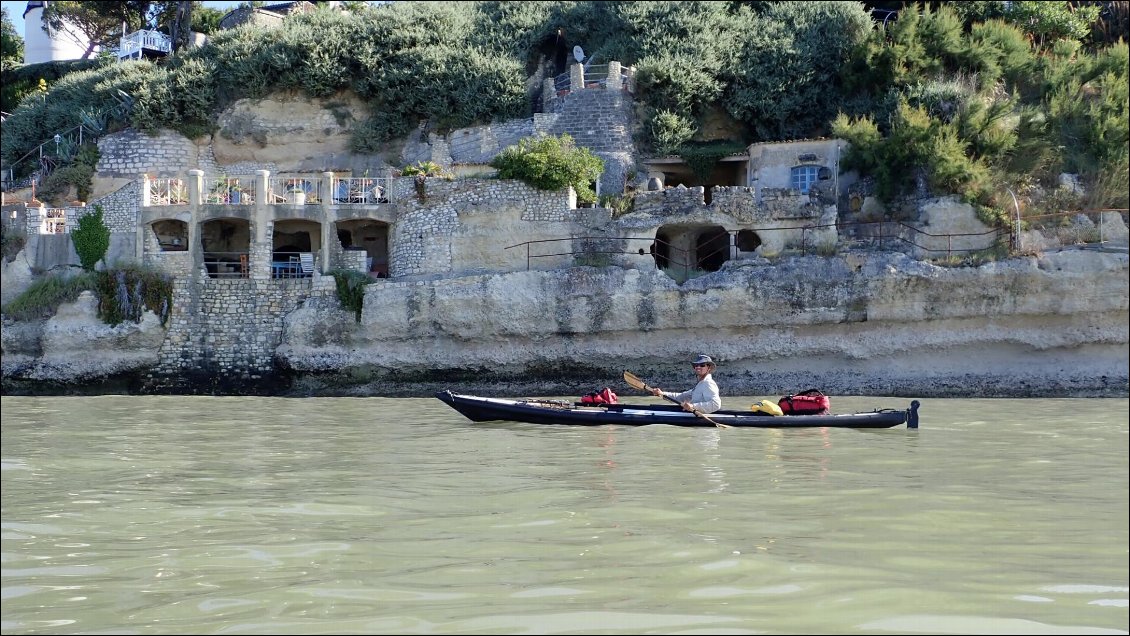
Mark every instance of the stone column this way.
pixel 614 82
pixel 145 202
pixel 260 248
pixel 548 95
pixel 195 201
pixel 139 234
pixel 329 227
pixel 576 77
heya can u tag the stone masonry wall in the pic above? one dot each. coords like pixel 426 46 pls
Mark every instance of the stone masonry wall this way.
pixel 422 237
pixel 230 327
pixel 130 153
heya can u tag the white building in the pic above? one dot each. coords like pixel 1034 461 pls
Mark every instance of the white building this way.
pixel 40 46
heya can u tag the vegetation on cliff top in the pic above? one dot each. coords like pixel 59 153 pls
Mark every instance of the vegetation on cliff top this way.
pixel 976 96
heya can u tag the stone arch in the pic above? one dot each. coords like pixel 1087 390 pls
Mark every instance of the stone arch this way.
pixel 226 244
pixel 292 237
pixel 691 247
pixel 171 234
pixel 370 236
pixel 747 241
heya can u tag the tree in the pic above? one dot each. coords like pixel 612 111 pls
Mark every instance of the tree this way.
pixel 182 25
pixel 1048 22
pixel 91 239
pixel 11 44
pixel 100 22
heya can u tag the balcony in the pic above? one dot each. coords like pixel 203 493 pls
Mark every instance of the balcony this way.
pixel 144 44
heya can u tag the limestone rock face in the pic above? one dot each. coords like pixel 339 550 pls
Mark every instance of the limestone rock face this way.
pixel 846 324
pixel 284 128
pixel 15 277
pixel 75 344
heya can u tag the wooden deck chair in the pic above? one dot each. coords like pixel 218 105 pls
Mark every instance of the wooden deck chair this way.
pixel 306 259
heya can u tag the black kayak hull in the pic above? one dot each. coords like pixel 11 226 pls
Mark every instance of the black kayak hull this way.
pixel 533 411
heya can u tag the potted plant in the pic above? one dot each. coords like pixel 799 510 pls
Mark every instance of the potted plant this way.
pixel 296 192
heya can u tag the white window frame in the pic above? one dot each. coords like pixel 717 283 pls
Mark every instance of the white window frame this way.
pixel 802 177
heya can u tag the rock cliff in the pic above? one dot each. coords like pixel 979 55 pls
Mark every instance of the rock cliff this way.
pixel 857 324
pixel 867 324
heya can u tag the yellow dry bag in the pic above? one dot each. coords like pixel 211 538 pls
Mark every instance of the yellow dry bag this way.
pixel 765 406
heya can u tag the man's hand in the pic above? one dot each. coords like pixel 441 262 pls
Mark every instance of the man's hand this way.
pixel 687 407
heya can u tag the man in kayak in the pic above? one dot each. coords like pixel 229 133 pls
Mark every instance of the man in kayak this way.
pixel 704 396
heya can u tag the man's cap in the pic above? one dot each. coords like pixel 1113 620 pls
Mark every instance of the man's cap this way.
pixel 703 359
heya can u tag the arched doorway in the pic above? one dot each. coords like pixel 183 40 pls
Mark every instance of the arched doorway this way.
pixel 293 241
pixel 712 248
pixel 686 251
pixel 171 234
pixel 226 245
pixel 661 250
pixel 369 236
pixel 747 241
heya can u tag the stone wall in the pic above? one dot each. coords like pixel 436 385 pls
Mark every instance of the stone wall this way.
pixel 130 153
pixel 465 225
pixel 230 327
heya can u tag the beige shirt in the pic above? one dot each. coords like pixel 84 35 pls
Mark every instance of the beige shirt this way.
pixel 704 396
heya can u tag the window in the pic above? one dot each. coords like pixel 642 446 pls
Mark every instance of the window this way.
pixel 803 177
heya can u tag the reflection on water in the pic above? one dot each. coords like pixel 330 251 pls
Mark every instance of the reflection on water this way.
pixel 328 515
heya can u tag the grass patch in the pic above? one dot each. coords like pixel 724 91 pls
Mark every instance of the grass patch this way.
pixel 42 299
pixel 123 294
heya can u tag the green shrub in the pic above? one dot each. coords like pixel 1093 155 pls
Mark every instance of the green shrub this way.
pixel 91 238
pixel 620 204
pixel 551 163
pixel 669 131
pixel 351 289
pixel 123 294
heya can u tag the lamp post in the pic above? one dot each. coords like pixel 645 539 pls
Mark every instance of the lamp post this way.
pixel 57 140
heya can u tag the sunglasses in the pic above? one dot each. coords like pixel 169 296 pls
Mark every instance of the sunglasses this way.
pixel 698 366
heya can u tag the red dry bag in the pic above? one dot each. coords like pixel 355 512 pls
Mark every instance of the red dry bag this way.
pixel 810 402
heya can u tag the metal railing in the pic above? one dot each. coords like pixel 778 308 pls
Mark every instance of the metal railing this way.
pixel 171 191
pixel 227 264
pixel 135 43
pixel 54 221
pixel 596 76
pixel 363 190
pixel 686 261
pixel 294 191
pixel 292 264
pixel 238 190
pixel 64 144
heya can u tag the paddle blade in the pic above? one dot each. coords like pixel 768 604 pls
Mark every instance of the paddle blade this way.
pixel 634 381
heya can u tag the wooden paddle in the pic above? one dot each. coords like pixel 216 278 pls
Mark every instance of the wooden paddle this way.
pixel 636 383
